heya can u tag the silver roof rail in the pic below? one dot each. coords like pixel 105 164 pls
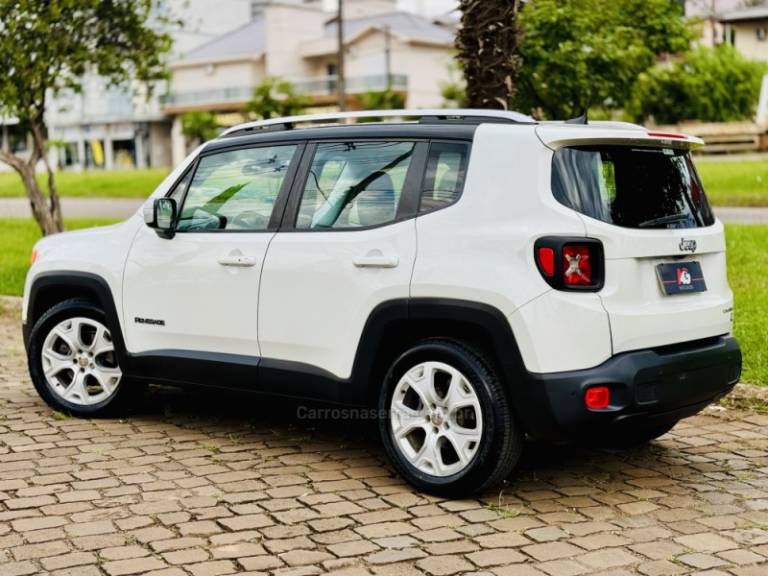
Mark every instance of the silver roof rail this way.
pixel 288 122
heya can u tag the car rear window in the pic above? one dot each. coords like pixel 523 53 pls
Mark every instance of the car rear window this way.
pixel 633 187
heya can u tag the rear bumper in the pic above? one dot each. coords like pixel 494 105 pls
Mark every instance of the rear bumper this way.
pixel 652 386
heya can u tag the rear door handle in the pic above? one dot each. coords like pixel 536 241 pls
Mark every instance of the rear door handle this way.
pixel 376 260
pixel 238 259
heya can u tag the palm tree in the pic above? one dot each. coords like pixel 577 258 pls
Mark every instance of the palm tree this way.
pixel 488 42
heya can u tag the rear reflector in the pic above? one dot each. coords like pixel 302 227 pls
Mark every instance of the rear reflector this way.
pixel 597 397
pixel 577 267
pixel 547 261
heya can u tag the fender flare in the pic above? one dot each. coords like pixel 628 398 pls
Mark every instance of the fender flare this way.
pixel 76 283
pixel 529 401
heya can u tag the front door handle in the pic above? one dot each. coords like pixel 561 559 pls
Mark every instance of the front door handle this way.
pixel 237 258
pixel 375 259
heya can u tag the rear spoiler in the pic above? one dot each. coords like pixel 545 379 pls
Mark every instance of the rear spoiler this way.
pixel 558 134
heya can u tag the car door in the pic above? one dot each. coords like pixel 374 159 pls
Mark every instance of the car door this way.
pixel 348 243
pixel 196 294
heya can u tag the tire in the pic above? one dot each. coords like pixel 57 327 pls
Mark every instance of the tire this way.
pixel 482 428
pixel 60 336
pixel 635 435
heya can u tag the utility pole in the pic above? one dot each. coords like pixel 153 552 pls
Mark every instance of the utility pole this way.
pixel 340 58
pixel 388 55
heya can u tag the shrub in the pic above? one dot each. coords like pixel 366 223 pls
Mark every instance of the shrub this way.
pixel 708 84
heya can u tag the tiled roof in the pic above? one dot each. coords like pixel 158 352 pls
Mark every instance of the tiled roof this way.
pixel 756 13
pixel 248 40
pixel 402 23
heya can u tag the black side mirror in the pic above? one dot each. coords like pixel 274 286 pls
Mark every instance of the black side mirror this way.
pixel 162 218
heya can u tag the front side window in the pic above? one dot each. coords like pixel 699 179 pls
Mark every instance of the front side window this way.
pixel 632 187
pixel 354 184
pixel 235 190
pixel 444 179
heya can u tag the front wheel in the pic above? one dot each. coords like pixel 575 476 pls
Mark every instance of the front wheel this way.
pixel 447 425
pixel 73 362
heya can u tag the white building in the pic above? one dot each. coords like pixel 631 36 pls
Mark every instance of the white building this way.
pixel 297 41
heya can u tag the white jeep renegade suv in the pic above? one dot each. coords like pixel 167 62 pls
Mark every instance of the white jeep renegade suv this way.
pixel 476 276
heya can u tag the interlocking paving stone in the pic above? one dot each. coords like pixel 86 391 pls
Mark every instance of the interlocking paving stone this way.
pixel 206 484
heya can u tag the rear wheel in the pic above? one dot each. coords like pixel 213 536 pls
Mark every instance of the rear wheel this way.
pixel 448 427
pixel 73 362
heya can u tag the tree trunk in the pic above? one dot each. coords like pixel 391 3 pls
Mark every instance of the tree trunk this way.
pixel 488 51
pixel 46 214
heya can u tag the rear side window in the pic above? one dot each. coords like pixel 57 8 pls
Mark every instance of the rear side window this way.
pixel 444 178
pixel 640 187
pixel 354 184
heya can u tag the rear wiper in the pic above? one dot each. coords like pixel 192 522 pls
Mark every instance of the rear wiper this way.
pixel 664 220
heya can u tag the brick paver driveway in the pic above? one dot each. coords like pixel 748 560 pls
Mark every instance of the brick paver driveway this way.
pixel 205 485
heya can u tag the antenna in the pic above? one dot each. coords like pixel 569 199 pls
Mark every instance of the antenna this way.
pixel 583 119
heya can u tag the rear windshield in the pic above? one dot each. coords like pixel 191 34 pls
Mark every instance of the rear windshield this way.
pixel 631 187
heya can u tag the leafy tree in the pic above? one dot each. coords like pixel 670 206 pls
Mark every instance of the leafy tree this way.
pixel 487 42
pixel 49 45
pixel 579 54
pixel 275 97
pixel 381 100
pixel 199 126
pixel 708 84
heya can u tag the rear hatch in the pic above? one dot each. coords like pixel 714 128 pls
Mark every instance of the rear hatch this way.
pixel 639 194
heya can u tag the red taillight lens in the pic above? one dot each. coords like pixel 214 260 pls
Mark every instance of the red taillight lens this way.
pixel 33 257
pixel 546 258
pixel 570 263
pixel 597 397
pixel 577 268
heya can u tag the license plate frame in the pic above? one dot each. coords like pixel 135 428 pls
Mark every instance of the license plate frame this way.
pixel 681 277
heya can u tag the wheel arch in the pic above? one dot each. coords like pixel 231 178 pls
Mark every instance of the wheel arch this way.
pixel 51 288
pixel 393 326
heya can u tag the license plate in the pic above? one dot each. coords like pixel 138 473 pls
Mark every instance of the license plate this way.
pixel 681 278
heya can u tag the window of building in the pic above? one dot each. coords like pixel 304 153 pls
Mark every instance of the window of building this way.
pixel 354 184
pixel 762 33
pixel 235 190
pixel 444 179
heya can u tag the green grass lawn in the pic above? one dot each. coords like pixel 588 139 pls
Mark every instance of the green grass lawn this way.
pixel 735 183
pixel 16 239
pixel 118 184
pixel 747 266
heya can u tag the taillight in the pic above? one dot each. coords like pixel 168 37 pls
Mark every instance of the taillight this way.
pixel 577 268
pixel 570 263
pixel 33 257
pixel 547 260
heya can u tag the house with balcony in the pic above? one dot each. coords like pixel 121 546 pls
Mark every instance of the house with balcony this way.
pixel 297 41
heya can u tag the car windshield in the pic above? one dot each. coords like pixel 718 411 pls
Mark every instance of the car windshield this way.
pixel 633 187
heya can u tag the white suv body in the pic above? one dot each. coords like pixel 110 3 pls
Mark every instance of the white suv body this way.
pixel 342 263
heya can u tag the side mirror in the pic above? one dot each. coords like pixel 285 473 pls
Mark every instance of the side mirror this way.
pixel 162 217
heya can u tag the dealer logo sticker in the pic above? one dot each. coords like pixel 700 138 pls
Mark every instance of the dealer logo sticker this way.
pixel 683 277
